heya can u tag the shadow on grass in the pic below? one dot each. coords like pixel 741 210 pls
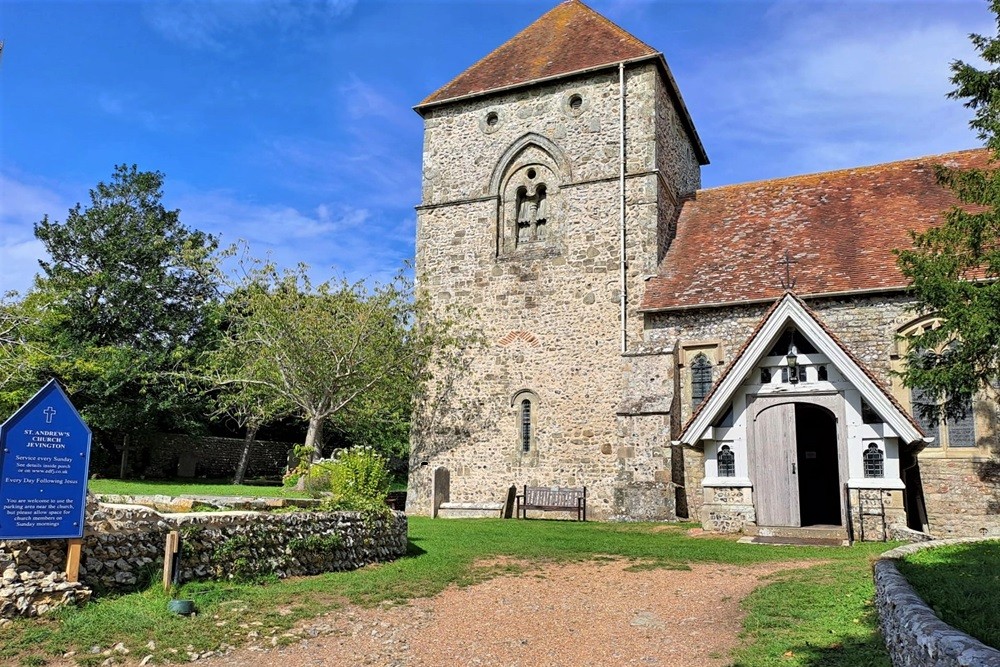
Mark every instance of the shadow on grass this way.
pixel 412 550
pixel 959 582
pixel 850 653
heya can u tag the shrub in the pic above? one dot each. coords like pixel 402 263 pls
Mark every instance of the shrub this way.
pixel 359 481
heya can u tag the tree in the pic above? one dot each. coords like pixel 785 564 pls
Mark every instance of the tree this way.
pixel 126 300
pixel 324 349
pixel 250 405
pixel 953 268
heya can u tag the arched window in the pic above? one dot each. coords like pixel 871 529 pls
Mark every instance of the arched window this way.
pixel 951 432
pixel 874 461
pixel 821 374
pixel 525 405
pixel 525 425
pixel 701 379
pixel 727 462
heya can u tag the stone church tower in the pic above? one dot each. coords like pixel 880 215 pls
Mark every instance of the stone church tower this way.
pixel 553 173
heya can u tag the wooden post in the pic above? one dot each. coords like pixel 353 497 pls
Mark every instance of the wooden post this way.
pixel 172 547
pixel 73 550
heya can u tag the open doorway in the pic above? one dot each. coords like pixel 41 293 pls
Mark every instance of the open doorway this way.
pixel 818 463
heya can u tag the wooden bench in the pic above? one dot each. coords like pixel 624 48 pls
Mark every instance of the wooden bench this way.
pixel 553 499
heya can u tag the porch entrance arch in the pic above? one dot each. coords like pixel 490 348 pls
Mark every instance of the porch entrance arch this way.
pixel 798 459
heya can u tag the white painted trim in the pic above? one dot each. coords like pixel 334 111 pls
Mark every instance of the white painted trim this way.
pixel 789 310
pixel 875 483
pixel 710 482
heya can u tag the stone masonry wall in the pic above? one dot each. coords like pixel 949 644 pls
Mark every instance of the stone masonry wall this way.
pixel 962 496
pixel 548 313
pixel 124 544
pixel 170 455
pixel 913 633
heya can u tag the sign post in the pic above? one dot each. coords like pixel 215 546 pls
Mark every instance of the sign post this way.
pixel 44 459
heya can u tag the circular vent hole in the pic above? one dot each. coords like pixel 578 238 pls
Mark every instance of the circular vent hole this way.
pixel 492 118
pixel 531 173
pixel 575 102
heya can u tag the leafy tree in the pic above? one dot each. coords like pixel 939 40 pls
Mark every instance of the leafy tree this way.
pixel 127 300
pixel 953 268
pixel 328 349
pixel 250 406
pixel 19 354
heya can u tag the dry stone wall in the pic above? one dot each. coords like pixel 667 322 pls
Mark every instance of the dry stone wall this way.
pixel 123 549
pixel 913 634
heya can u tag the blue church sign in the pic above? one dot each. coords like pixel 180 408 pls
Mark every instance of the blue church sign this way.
pixel 44 458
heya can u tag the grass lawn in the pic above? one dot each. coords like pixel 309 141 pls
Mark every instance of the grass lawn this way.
pixel 206 487
pixel 960 582
pixel 821 616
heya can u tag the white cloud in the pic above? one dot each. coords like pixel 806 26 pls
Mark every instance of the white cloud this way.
pixel 22 204
pixel 210 24
pixel 831 88
pixel 334 239
pixel 376 166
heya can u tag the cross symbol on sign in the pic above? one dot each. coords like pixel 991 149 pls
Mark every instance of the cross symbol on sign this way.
pixel 49 413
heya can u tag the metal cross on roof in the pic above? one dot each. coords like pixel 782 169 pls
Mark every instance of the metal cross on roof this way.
pixel 788 282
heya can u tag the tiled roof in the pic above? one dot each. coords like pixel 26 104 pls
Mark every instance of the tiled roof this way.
pixel 839 227
pixel 569 38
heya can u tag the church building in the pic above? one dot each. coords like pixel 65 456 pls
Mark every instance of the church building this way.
pixel 722 355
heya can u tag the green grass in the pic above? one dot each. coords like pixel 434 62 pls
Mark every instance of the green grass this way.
pixel 818 616
pixel 815 614
pixel 180 488
pixel 960 583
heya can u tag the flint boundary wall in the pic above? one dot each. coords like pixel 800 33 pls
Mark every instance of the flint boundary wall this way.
pixel 913 634
pixel 123 547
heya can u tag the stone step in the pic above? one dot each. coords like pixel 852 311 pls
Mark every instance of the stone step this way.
pixel 797 541
pixel 470 510
pixel 805 532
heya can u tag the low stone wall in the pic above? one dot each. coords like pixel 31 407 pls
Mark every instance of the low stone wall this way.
pixel 913 634
pixel 123 549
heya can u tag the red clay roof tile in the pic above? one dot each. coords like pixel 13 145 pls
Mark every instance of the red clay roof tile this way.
pixel 568 38
pixel 840 227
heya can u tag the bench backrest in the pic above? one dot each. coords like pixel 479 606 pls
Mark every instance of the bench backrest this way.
pixel 553 497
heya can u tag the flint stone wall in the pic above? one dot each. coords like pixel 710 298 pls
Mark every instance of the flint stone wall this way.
pixel 913 634
pixel 123 549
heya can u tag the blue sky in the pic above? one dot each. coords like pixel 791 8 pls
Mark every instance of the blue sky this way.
pixel 289 124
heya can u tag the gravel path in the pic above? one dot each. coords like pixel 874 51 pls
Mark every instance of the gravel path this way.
pixel 594 613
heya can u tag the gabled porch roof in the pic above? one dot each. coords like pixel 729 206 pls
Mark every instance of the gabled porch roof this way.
pixel 791 310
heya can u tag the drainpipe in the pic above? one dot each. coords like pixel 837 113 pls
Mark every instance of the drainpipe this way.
pixel 621 198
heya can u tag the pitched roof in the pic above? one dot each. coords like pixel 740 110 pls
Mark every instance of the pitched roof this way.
pixel 568 38
pixel 839 227
pixel 790 308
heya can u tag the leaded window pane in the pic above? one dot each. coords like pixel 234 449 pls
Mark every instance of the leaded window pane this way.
pixel 727 462
pixel 921 399
pixel 526 425
pixel 962 432
pixel 874 461
pixel 701 379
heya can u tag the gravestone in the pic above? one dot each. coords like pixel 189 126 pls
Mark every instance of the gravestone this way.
pixel 441 493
